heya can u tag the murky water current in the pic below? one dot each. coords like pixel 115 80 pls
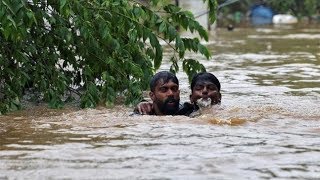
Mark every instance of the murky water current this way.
pixel 268 126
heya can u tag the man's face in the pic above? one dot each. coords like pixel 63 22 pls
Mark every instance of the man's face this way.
pixel 205 90
pixel 166 98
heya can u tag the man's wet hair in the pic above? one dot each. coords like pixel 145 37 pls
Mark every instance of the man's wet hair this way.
pixel 166 76
pixel 205 76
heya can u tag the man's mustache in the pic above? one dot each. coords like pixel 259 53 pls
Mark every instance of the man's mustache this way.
pixel 171 100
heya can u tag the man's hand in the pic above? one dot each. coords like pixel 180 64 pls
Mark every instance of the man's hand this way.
pixel 144 107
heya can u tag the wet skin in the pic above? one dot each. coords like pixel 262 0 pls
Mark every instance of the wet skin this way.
pixel 205 90
pixel 166 98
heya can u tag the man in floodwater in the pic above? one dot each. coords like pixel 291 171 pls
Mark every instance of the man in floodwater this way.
pixel 164 93
pixel 205 91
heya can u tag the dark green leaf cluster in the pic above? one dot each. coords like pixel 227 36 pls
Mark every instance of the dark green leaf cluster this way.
pixel 100 49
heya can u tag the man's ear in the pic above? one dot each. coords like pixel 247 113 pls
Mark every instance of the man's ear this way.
pixel 191 100
pixel 151 95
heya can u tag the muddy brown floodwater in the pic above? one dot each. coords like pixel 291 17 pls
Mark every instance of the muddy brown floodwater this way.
pixel 268 126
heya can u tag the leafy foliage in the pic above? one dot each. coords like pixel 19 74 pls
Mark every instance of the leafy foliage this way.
pixel 103 49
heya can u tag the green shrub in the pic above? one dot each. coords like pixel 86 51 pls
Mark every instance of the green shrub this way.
pixel 106 48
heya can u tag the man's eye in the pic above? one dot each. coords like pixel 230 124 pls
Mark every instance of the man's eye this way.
pixel 212 88
pixel 174 89
pixel 163 89
pixel 199 87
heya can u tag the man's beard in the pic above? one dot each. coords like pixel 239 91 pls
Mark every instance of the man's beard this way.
pixel 166 109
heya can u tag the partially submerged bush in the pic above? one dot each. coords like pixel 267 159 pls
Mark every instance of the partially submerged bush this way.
pixel 109 48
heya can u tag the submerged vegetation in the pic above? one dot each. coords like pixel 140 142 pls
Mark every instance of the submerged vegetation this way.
pixel 106 48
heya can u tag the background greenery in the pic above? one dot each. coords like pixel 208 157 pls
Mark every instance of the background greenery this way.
pixel 100 50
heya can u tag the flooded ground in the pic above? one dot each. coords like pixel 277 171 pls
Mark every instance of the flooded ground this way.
pixel 268 126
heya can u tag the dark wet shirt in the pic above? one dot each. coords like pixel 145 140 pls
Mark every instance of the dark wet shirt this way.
pixel 186 109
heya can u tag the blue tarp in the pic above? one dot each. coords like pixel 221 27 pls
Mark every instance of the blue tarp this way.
pixel 261 15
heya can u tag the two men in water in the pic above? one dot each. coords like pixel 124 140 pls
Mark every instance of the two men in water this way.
pixel 165 94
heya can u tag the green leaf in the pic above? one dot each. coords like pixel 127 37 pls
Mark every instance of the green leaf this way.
pixel 185 23
pixel 172 33
pixel 203 33
pixel 62 4
pixel 136 11
pixel 132 34
pixel 12 21
pixel 8 6
pixel 203 50
pixel 180 46
pixel 68 36
pixel 158 57
pixel 174 66
pixel 153 40
pixel 162 27
pixel 191 67
pixel 150 53
pixel 213 4
pixel 146 34
pixel 25 75
pixel 32 17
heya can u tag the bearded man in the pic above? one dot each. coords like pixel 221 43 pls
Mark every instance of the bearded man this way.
pixel 164 93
